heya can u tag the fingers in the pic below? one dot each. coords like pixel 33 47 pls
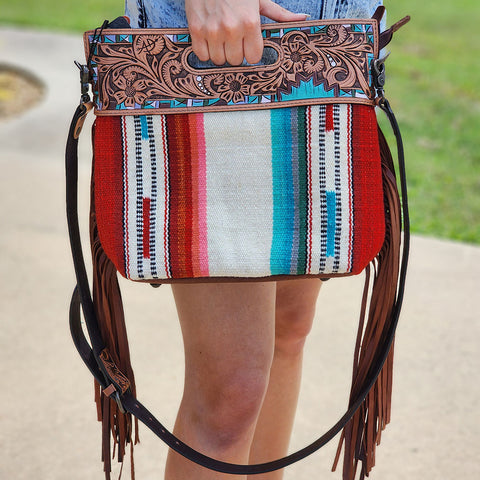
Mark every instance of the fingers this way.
pixel 217 48
pixel 200 48
pixel 275 12
pixel 225 30
pixel 253 41
pixel 229 30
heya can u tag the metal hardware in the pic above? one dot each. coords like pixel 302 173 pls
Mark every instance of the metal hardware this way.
pixel 84 82
pixel 379 74
pixel 116 397
pixel 112 393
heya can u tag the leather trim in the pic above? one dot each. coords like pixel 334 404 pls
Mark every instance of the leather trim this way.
pixel 139 70
pixel 119 379
pixel 387 35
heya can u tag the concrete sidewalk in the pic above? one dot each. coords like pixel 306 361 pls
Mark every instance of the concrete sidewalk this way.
pixel 48 429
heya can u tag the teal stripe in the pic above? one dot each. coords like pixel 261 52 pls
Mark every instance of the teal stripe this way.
pixel 331 222
pixel 282 186
pixel 143 122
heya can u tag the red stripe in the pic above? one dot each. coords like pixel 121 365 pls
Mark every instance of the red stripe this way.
pixel 146 227
pixel 166 243
pixel 126 246
pixel 369 221
pixel 196 137
pixel 180 224
pixel 109 188
pixel 350 218
pixel 329 126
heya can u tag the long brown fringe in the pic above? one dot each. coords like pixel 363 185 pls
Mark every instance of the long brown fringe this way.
pixel 109 310
pixel 363 433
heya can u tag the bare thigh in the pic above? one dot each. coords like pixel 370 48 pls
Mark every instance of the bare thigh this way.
pixel 233 335
pixel 227 328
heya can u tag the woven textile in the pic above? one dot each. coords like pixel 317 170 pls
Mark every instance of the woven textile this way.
pixel 183 196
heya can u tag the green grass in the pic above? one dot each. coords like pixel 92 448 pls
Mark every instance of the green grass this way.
pixel 66 15
pixel 433 76
pixel 434 73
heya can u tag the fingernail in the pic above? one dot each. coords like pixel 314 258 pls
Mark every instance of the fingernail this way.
pixel 307 15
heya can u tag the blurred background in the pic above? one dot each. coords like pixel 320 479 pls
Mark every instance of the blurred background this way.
pixel 433 72
pixel 47 415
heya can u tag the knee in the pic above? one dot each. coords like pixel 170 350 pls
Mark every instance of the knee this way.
pixel 227 408
pixel 237 404
pixel 293 324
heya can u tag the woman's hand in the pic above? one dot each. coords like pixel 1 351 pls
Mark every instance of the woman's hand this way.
pixel 229 30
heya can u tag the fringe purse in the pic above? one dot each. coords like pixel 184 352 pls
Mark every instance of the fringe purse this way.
pixel 257 172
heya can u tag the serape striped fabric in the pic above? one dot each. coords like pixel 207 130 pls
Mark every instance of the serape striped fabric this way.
pixel 247 194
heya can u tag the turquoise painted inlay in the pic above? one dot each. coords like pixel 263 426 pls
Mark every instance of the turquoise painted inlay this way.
pixel 282 189
pixel 177 103
pixel 307 90
pixel 321 29
pixel 348 93
pixel 331 222
pixel 144 125
pixel 253 99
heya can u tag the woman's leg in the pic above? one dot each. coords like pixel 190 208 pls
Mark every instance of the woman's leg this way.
pixel 228 332
pixel 295 309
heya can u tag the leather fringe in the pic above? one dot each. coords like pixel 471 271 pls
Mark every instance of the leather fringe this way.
pixel 363 433
pixel 109 311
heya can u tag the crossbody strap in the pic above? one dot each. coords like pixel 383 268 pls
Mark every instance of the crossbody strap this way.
pixel 110 379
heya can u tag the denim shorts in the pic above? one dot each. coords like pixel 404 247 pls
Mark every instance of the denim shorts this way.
pixel 171 13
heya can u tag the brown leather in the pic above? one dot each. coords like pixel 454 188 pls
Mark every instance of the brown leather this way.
pixel 379 13
pixel 363 433
pixel 149 68
pixel 386 36
pixel 399 24
pixel 114 372
pixel 110 390
pixel 81 120
pixel 116 355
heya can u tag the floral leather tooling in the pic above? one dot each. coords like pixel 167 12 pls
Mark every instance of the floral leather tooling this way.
pixel 326 60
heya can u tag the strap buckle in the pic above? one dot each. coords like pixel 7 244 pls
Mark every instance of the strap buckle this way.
pixel 112 392
pixel 379 75
pixel 84 82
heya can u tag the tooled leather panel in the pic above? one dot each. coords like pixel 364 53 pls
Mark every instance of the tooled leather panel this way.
pixel 115 374
pixel 316 62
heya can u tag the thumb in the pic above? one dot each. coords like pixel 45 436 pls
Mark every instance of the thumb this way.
pixel 275 12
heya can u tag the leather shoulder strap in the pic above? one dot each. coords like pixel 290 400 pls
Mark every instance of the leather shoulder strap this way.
pixel 91 352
